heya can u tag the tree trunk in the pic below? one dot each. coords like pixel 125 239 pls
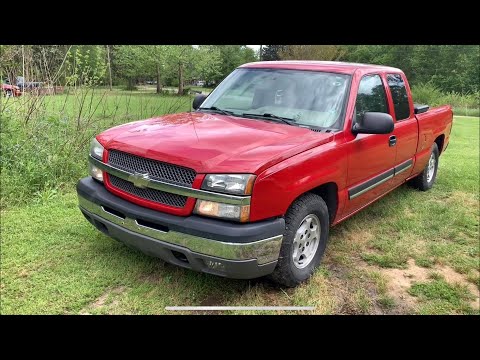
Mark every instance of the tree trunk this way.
pixel 180 79
pixel 109 68
pixel 159 83
pixel 131 84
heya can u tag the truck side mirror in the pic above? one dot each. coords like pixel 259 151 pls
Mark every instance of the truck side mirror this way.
pixel 373 123
pixel 198 100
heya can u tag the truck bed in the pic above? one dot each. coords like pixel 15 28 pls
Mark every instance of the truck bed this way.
pixel 432 124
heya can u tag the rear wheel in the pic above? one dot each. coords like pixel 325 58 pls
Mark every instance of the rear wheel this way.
pixel 425 180
pixel 8 93
pixel 304 241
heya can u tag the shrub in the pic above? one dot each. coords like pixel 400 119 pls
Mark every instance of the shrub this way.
pixel 463 104
pixel 427 94
pixel 45 139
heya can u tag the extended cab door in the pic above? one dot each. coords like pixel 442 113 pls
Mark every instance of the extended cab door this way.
pixel 371 156
pixel 406 127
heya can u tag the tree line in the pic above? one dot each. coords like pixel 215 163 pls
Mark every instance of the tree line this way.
pixel 449 68
pixel 128 65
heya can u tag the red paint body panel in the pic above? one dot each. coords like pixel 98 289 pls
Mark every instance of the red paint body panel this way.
pixel 432 124
pixel 211 143
pixel 278 186
pixel 287 160
pixel 15 90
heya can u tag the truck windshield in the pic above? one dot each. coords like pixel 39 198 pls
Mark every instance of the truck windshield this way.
pixel 307 98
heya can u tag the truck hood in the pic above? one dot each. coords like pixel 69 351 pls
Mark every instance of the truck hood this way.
pixel 211 143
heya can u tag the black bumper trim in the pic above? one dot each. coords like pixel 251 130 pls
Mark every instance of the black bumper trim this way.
pixel 243 269
pixel 193 225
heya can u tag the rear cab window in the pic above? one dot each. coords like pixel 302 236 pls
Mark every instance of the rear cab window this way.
pixel 397 87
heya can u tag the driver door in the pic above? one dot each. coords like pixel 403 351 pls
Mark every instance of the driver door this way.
pixel 371 156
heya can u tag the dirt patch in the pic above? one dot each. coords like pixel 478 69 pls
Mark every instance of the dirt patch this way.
pixel 359 237
pixel 23 273
pixel 409 213
pixel 101 301
pixel 453 277
pixel 350 291
pixel 400 280
pixel 213 300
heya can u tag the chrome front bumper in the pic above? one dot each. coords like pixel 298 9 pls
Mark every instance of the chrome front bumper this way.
pixel 264 251
pixel 242 251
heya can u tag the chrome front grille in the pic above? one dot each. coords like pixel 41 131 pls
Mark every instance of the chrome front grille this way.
pixel 149 194
pixel 156 169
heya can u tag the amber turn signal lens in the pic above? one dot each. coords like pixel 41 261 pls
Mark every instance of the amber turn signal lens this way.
pixel 249 187
pixel 224 211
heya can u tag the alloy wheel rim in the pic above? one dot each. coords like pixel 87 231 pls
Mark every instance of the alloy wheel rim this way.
pixel 431 167
pixel 306 240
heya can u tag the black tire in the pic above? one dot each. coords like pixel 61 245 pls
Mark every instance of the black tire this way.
pixel 286 273
pixel 421 181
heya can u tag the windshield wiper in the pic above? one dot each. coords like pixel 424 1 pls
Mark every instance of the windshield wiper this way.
pixel 272 117
pixel 214 108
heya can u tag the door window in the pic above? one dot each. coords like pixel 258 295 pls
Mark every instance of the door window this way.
pixel 371 96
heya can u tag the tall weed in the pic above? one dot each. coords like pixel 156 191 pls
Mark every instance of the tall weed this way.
pixel 45 139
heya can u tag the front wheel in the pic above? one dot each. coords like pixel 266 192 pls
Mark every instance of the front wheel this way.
pixel 304 241
pixel 425 180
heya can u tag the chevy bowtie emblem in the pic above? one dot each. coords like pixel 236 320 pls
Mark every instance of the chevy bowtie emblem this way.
pixel 140 180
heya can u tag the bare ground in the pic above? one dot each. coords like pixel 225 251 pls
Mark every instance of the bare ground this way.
pixel 109 299
pixel 400 280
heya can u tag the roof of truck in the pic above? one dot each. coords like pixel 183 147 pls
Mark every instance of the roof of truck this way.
pixel 328 66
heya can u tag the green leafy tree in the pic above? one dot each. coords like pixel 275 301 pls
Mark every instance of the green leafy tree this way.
pixel 447 67
pixel 179 58
pixel 271 52
pixel 233 56
pixel 155 57
pixel 311 52
pixel 9 62
pixel 130 63
pixel 207 63
pixel 85 65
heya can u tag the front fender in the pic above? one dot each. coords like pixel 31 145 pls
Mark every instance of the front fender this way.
pixel 278 186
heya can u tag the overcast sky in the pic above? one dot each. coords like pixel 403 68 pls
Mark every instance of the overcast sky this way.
pixel 254 47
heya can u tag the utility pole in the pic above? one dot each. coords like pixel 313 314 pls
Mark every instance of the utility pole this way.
pixel 23 69
pixel 261 48
pixel 109 67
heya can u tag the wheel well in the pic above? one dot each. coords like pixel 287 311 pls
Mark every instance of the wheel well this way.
pixel 439 140
pixel 329 194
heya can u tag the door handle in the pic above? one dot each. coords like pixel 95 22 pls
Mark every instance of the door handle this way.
pixel 392 140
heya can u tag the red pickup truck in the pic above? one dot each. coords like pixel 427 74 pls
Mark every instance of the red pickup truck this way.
pixel 249 183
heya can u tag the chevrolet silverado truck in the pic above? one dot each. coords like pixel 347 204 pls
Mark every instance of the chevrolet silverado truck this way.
pixel 249 183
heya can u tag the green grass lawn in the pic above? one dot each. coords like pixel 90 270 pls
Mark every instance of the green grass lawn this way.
pixel 411 252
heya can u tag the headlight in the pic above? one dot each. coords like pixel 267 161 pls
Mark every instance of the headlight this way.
pixel 96 149
pixel 226 211
pixel 96 173
pixel 237 184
